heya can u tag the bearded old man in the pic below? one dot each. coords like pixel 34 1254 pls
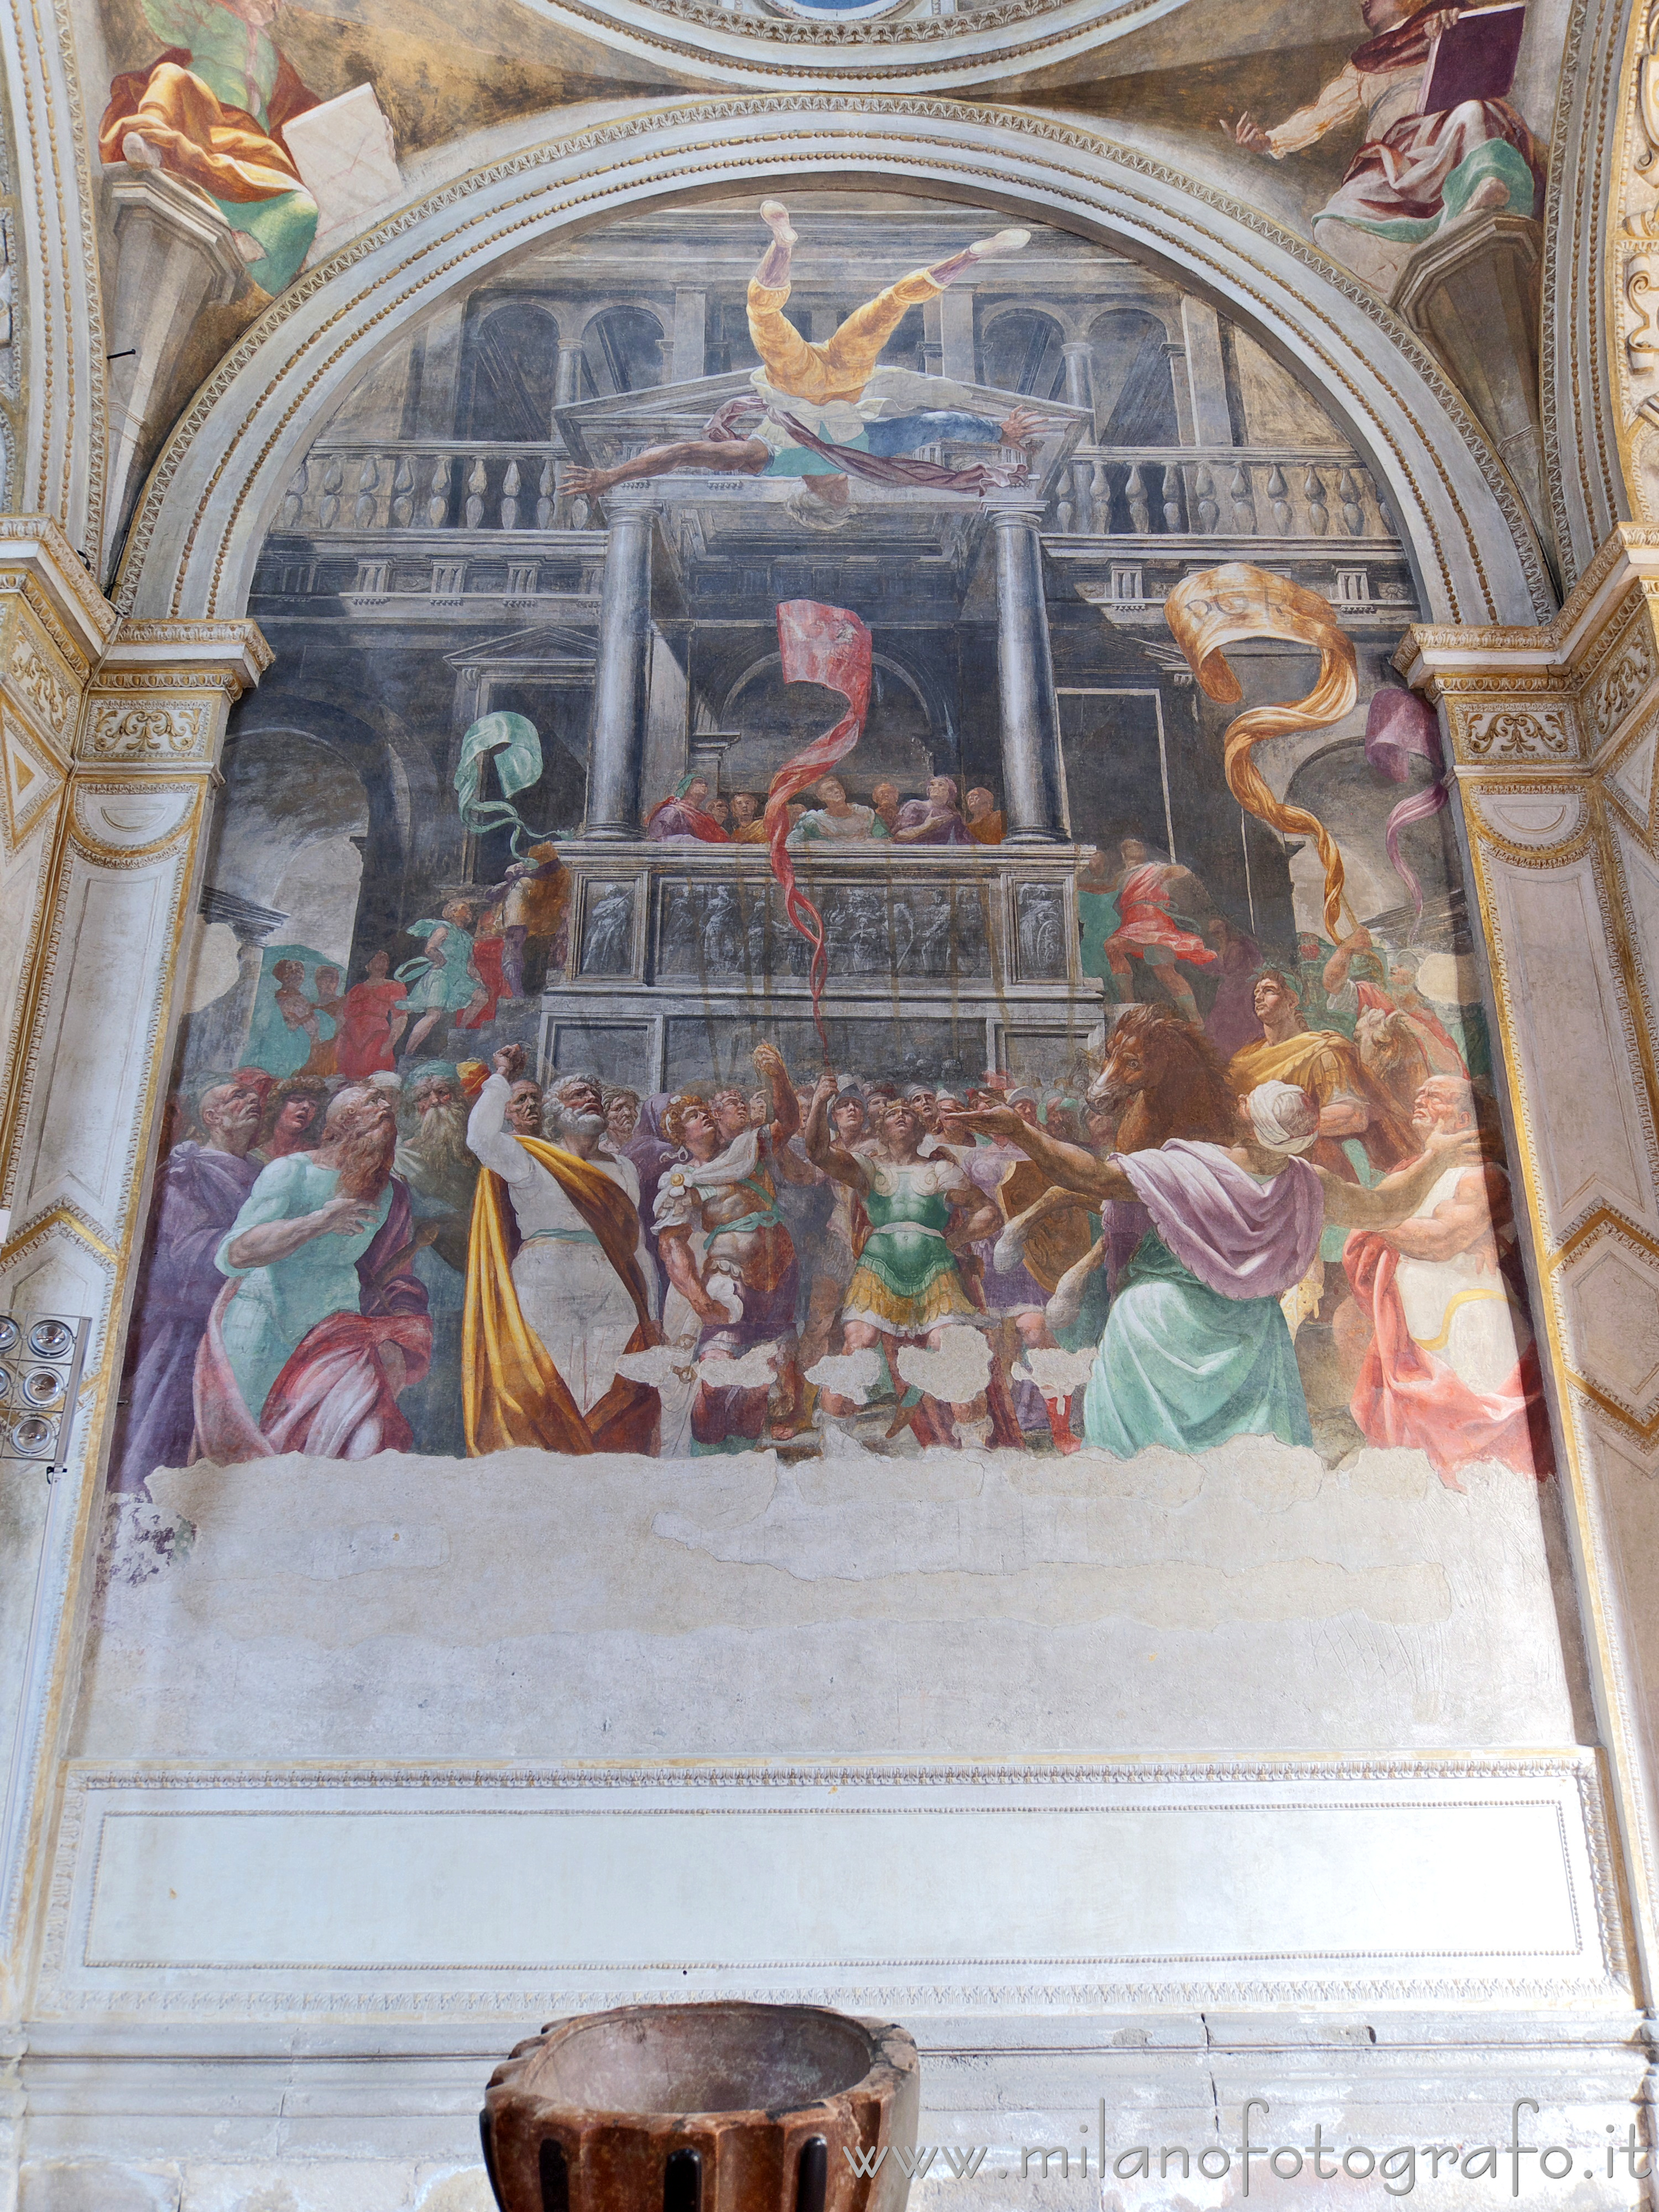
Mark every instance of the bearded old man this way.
pixel 432 1159
pixel 199 1189
pixel 558 1286
pixel 323 1323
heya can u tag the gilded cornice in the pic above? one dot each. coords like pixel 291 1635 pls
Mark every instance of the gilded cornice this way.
pixel 1563 694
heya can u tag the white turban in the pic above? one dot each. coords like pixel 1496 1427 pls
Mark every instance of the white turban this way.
pixel 1285 1118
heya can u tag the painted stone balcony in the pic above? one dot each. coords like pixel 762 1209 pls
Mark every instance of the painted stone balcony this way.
pixel 431 483
pixel 1230 491
pixel 943 960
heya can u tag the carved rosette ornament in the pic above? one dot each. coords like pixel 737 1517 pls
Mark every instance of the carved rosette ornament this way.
pixel 725 2107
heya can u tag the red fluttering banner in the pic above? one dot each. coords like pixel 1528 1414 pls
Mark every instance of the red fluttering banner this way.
pixel 831 646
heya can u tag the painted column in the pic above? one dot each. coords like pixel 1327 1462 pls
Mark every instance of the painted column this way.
pixel 140 723
pixel 617 742
pixel 1555 735
pixel 1180 391
pixel 1207 373
pixel 1078 356
pixel 1032 785
pixel 567 390
pixel 567 374
pixel 955 334
pixel 690 334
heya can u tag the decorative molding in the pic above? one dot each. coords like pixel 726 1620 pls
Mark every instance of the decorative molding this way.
pixel 123 824
pixel 1570 1784
pixel 116 730
pixel 30 778
pixel 51 698
pixel 1511 733
pixel 1613 695
pixel 37 559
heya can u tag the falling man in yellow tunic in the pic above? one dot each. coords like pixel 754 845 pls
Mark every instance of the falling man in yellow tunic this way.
pixel 821 390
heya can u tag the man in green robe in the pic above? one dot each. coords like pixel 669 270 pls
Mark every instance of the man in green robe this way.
pixel 1196 1348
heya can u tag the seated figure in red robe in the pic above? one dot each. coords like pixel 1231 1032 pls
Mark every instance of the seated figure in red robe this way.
pixel 1413 173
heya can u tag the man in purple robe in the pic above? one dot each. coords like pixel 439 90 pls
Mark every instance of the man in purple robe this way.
pixel 935 820
pixel 199 1190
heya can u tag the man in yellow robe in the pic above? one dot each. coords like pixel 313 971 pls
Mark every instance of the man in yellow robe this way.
pixel 1356 1123
pixel 553 1268
pixel 1327 1065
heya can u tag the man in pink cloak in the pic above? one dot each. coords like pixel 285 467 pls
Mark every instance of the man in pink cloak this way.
pixel 1452 1368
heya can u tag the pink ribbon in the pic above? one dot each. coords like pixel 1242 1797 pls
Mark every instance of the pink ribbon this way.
pixel 830 647
pixel 1401 728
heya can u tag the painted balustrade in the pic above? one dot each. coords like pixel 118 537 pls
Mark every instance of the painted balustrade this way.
pixel 433 485
pixel 1104 491
pixel 1231 491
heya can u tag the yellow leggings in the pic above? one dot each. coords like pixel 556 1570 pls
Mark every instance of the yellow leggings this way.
pixel 839 366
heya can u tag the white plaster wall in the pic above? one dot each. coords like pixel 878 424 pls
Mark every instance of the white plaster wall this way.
pixel 530 1606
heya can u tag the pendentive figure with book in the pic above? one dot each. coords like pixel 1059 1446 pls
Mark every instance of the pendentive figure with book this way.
pixel 1441 141
pixel 218 109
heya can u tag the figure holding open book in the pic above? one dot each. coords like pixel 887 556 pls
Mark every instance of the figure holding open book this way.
pixel 1441 141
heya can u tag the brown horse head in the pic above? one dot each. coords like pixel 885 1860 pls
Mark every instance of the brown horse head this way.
pixel 1163 1077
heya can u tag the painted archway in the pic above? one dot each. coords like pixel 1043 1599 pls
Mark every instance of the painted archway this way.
pixel 217 485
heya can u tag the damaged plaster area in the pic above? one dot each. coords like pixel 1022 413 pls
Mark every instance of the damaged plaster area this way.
pixel 954 1603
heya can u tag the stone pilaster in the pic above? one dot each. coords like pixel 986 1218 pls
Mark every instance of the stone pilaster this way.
pixel 123 722
pixel 1555 735
pixel 54 626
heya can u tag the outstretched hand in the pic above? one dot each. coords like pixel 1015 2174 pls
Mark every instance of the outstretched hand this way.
pixel 1024 426
pixel 508 1061
pixel 1247 132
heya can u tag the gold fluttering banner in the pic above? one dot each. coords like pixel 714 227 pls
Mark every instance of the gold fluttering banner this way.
pixel 1220 607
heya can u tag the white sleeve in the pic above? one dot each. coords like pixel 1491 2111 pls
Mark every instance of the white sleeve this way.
pixel 488 1140
pixel 679 1202
pixel 1339 101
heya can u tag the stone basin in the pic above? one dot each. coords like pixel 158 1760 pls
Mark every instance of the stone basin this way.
pixel 724 2107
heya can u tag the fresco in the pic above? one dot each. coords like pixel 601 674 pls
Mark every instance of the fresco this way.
pixel 1441 141
pixel 910 913
pixel 245 141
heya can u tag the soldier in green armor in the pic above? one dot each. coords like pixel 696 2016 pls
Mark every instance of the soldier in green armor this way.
pixel 908 1285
